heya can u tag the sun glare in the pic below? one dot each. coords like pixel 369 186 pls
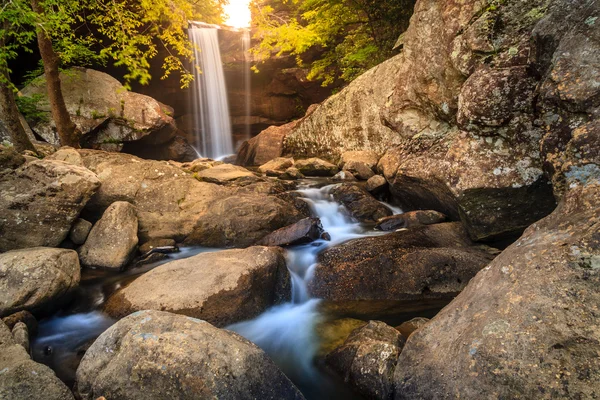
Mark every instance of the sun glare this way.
pixel 237 13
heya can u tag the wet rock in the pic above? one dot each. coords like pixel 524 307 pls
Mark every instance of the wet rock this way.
pixel 113 239
pixel 360 203
pixel 369 158
pixel 359 169
pixel 376 185
pixel 266 146
pixel 156 243
pixel 291 174
pixel 80 231
pixel 316 167
pixel 223 173
pixel 540 335
pixel 24 379
pixel 407 328
pixel 36 278
pixel 304 231
pixel 277 166
pixel 22 316
pixel 422 263
pixel 228 286
pixel 150 353
pixel 40 200
pixel 21 335
pixel 333 334
pixel 104 111
pixel 344 176
pixel 410 219
pixel 367 359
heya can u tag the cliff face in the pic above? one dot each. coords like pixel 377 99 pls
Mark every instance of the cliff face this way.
pixel 488 101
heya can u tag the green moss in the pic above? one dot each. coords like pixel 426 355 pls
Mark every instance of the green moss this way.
pixel 29 106
pixel 535 14
pixel 97 115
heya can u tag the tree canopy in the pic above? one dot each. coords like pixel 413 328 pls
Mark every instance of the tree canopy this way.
pixel 353 35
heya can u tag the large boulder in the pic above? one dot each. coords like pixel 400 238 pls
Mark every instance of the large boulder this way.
pixel 112 241
pixel 432 262
pixel 223 173
pixel 222 287
pixel 304 231
pixel 540 339
pixel 359 203
pixel 367 359
pixel 172 204
pixel 316 167
pixel 24 379
pixel 264 147
pixel 36 278
pixel 103 110
pixel 157 355
pixel 40 200
pixel 410 219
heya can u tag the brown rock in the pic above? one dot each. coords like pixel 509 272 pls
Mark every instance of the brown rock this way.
pixel 267 146
pixel 344 176
pixel 155 243
pixel 80 231
pixel 360 203
pixel 376 185
pixel 22 316
pixel 316 167
pixel 407 328
pixel 359 169
pixel 291 174
pixel 223 173
pixel 369 158
pixel 277 166
pixel 21 335
pixel 410 219
pixel 304 231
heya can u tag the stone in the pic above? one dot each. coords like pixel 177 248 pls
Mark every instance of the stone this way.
pixel 359 203
pixel 367 359
pixel 156 243
pixel 67 154
pixel 266 146
pixel 276 166
pixel 359 169
pixel 430 262
pixel 200 165
pixel 113 239
pixel 150 353
pixel 103 110
pixel 221 287
pixel 541 333
pixel 21 335
pixel 316 167
pixel 223 173
pixel 344 176
pixel 333 334
pixel 302 232
pixel 9 158
pixel 409 327
pixel 369 158
pixel 177 149
pixel 22 316
pixel 291 174
pixel 80 231
pixel 36 279
pixel 40 200
pixel 376 185
pixel 24 379
pixel 410 219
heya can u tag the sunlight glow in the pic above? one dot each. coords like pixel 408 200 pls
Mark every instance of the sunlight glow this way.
pixel 237 13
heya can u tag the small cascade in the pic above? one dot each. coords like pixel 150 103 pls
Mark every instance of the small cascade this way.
pixel 209 95
pixel 247 84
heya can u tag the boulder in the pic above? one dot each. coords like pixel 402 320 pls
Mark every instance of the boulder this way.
pixel 359 169
pixel 367 359
pixel 222 287
pixel 430 262
pixel 24 379
pixel 410 219
pixel 155 244
pixel 21 335
pixel 151 354
pixel 366 157
pixel 223 173
pixel 540 338
pixel 276 166
pixel 40 200
pixel 22 316
pixel 103 110
pixel 10 159
pixel 291 174
pixel 36 279
pixel 113 239
pixel 304 231
pixel 200 164
pixel 177 149
pixel 333 333
pixel 316 167
pixel 360 204
pixel 80 231
pixel 266 146
pixel 68 155
pixel 376 185
pixel 344 176
pixel 409 327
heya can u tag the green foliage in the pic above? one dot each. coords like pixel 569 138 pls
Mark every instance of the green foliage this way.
pixel 29 106
pixel 353 35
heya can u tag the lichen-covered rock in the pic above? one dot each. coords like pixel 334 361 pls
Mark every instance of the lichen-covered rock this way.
pixel 112 241
pixel 379 273
pixel 36 278
pixel 154 355
pixel 103 110
pixel 409 219
pixel 39 202
pixel 367 359
pixel 540 339
pixel 222 287
pixel 316 167
pixel 359 203
pixel 24 379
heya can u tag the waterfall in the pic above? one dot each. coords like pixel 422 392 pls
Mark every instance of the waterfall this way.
pixel 247 85
pixel 211 111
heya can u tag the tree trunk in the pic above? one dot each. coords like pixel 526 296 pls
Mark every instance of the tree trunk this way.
pixel 10 112
pixel 68 133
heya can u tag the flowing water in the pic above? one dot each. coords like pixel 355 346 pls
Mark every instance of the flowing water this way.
pixel 209 95
pixel 246 43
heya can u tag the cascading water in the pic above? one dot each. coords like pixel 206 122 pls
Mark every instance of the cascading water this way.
pixel 209 95
pixel 246 42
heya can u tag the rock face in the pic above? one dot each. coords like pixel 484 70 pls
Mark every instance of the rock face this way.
pixel 24 379
pixel 264 147
pixel 222 288
pixel 422 263
pixel 409 219
pixel 32 279
pixel 40 200
pixel 113 240
pixel 104 111
pixel 540 339
pixel 151 354
pixel 367 359
pixel 304 231
pixel 360 203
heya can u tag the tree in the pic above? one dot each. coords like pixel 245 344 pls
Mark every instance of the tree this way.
pixel 353 35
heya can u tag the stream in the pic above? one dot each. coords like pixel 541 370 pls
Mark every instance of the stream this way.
pixel 287 332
